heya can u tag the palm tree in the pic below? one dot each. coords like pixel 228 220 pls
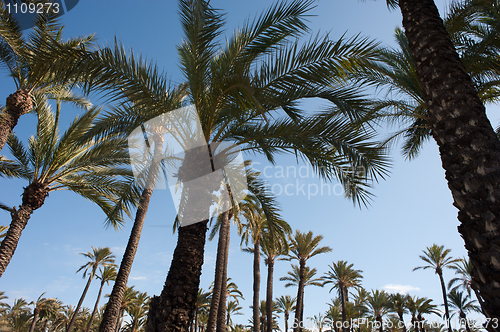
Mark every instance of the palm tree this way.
pixel 272 246
pixel 233 308
pixel 99 257
pixel 18 315
pixel 40 305
pixel 398 304
pixel 138 310
pixel 377 306
pixel 30 62
pixel 91 168
pixel 285 305
pixel 458 123
pixel 462 303
pixel 418 306
pixel 233 91
pixel 202 302
pixel 107 274
pixel 343 277
pixel 319 321
pixel 49 312
pixel 438 259
pixel 464 280
pixel 303 246
pixel 129 299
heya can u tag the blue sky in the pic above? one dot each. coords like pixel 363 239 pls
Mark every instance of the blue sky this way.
pixel 412 208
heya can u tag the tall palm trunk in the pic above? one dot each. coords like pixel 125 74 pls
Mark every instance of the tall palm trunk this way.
pixel 35 318
pixel 96 306
pixel 79 305
pixel 269 293
pixel 256 285
pixel 467 143
pixel 17 104
pixel 401 319
pixel 219 272
pixel 343 293
pixel 415 323
pixel 286 321
pixel 300 299
pixel 445 299
pixel 174 308
pixel 112 310
pixel 463 317
pixel 33 198
pixel 221 315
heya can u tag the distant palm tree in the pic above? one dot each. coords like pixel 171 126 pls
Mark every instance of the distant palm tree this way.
pixel 285 305
pixel 49 312
pixel 202 302
pixel 398 304
pixel 40 304
pixel 343 277
pixel 377 306
pixel 107 274
pixel 94 169
pixel 303 246
pixel 437 259
pixel 418 306
pixel 233 308
pixel 273 246
pixel 137 309
pixel 319 321
pixel 462 303
pixel 464 279
pixel 99 257
pixel 18 315
pixel 129 299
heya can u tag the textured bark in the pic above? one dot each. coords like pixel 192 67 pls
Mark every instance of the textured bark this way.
pixel 8 245
pixel 17 104
pixel 343 293
pixel 445 299
pixel 299 310
pixel 33 198
pixel 79 305
pixel 469 148
pixel 96 306
pixel 218 279
pixel 174 308
pixel 269 293
pixel 256 285
pixel 221 315
pixel 112 310
pixel 35 318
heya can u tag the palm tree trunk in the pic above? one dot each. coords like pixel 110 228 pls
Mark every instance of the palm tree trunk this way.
pixel 219 272
pixel 174 308
pixel 45 323
pixel 112 310
pixel 269 294
pixel 256 285
pixel 33 198
pixel 300 298
pixel 344 310
pixel 196 320
pixel 96 306
pixel 9 243
pixel 467 144
pixel 79 305
pixel 221 315
pixel 17 104
pixel 415 323
pixel 286 321
pixel 35 318
pixel 445 299
pixel 401 319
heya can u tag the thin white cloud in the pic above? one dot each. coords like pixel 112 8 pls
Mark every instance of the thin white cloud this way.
pixel 139 278
pixel 403 289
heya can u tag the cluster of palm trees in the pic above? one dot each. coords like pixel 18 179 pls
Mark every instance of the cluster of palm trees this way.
pixel 364 312
pixel 246 91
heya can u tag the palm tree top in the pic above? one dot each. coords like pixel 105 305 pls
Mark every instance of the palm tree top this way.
pixel 100 256
pixel 342 275
pixel 305 245
pixel 437 258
